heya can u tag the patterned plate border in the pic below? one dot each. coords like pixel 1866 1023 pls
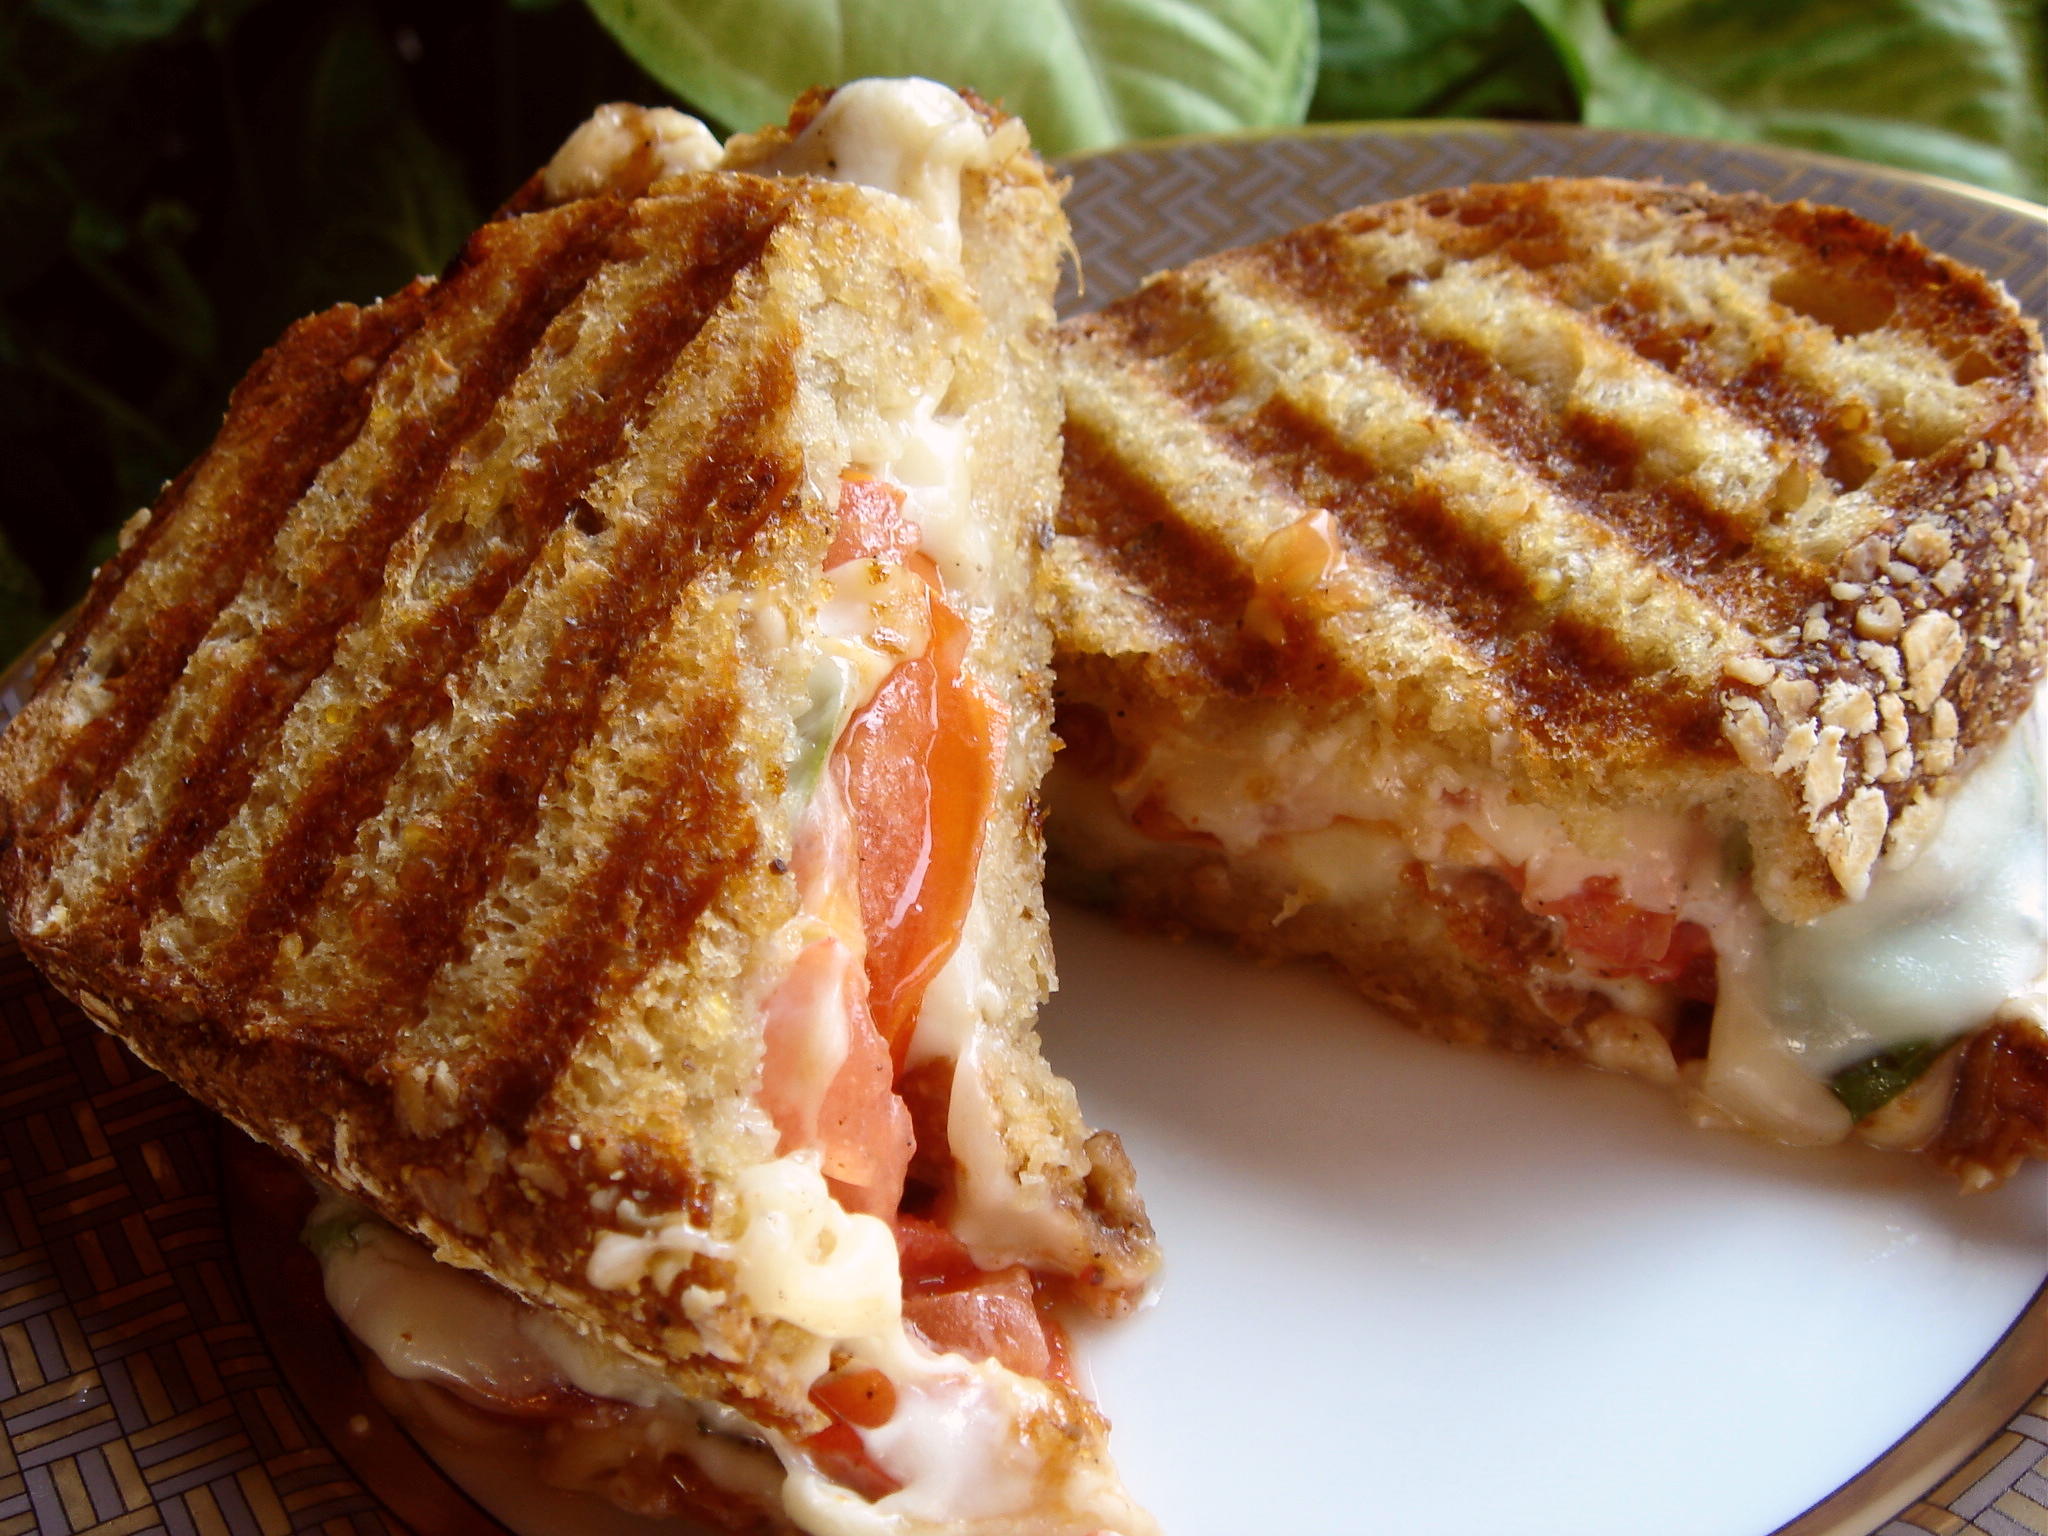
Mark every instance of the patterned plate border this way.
pixel 156 1373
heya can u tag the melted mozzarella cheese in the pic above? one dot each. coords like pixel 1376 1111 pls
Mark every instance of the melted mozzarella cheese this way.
pixel 1936 946
pixel 955 1441
pixel 911 138
pixel 1934 949
pixel 663 141
pixel 871 616
pixel 798 1255
pixel 1296 782
pixel 429 1322
pixel 930 460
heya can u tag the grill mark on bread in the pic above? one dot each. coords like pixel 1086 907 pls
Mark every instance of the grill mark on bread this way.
pixel 393 938
pixel 1276 346
pixel 297 408
pixel 1764 394
pixel 1589 461
pixel 247 711
pixel 696 257
pixel 1405 530
pixel 1450 562
pixel 1193 582
pixel 661 869
pixel 1562 673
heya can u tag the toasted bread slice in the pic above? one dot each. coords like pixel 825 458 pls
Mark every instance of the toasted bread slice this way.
pixel 424 786
pixel 1606 561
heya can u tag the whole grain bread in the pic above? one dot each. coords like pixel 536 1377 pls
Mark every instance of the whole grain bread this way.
pixel 411 786
pixel 1642 494
pixel 1625 499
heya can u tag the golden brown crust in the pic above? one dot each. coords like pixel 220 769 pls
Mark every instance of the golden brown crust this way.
pixel 1622 471
pixel 1613 497
pixel 412 789
pixel 1998 1116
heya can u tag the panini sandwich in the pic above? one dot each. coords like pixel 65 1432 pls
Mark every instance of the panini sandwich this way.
pixel 1601 617
pixel 561 766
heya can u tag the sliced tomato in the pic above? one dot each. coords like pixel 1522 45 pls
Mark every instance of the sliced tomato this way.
pixel 983 1314
pixel 1618 938
pixel 1609 933
pixel 871 522
pixel 994 1318
pixel 859 1126
pixel 931 1258
pixel 857 1398
pixel 912 785
pixel 919 767
pixel 838 1452
pixel 861 1396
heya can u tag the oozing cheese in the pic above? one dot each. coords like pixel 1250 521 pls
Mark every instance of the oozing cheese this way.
pixel 912 138
pixel 1936 944
pixel 1935 948
pixel 614 136
pixel 428 1322
pixel 955 1441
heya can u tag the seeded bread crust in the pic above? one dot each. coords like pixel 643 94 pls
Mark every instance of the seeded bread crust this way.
pixel 1615 497
pixel 1643 496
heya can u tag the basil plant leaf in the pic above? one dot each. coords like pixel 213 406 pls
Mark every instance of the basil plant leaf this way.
pixel 1957 88
pixel 1083 73
pixel 1385 59
pixel 111 23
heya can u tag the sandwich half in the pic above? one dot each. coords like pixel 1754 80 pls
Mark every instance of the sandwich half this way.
pixel 561 765
pixel 1603 619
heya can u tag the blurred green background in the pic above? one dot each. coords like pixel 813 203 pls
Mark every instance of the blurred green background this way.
pixel 180 178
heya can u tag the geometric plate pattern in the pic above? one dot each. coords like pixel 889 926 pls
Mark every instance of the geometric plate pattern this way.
pixel 2001 1491
pixel 146 1384
pixel 135 1394
pixel 1136 211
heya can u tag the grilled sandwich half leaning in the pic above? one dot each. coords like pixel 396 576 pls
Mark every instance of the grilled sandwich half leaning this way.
pixel 1602 618
pixel 561 766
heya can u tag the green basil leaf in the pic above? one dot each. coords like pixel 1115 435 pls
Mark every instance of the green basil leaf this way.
pixel 1436 58
pixel 1868 1086
pixel 1954 87
pixel 110 23
pixel 1082 73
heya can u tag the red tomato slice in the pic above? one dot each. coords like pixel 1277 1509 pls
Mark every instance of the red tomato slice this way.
pixel 1612 934
pixel 931 1258
pixel 871 523
pixel 859 1126
pixel 1618 938
pixel 920 765
pixel 862 1397
pixel 838 1452
pixel 995 1318
pixel 982 1314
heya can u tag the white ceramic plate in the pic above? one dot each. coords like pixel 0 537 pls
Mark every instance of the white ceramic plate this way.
pixel 1415 1289
pixel 1409 1290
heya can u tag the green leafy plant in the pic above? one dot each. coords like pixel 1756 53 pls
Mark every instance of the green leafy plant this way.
pixel 181 178
pixel 1954 87
pixel 1083 73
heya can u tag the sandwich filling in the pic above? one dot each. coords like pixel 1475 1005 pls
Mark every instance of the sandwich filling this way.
pixel 1800 1032
pixel 888 1224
